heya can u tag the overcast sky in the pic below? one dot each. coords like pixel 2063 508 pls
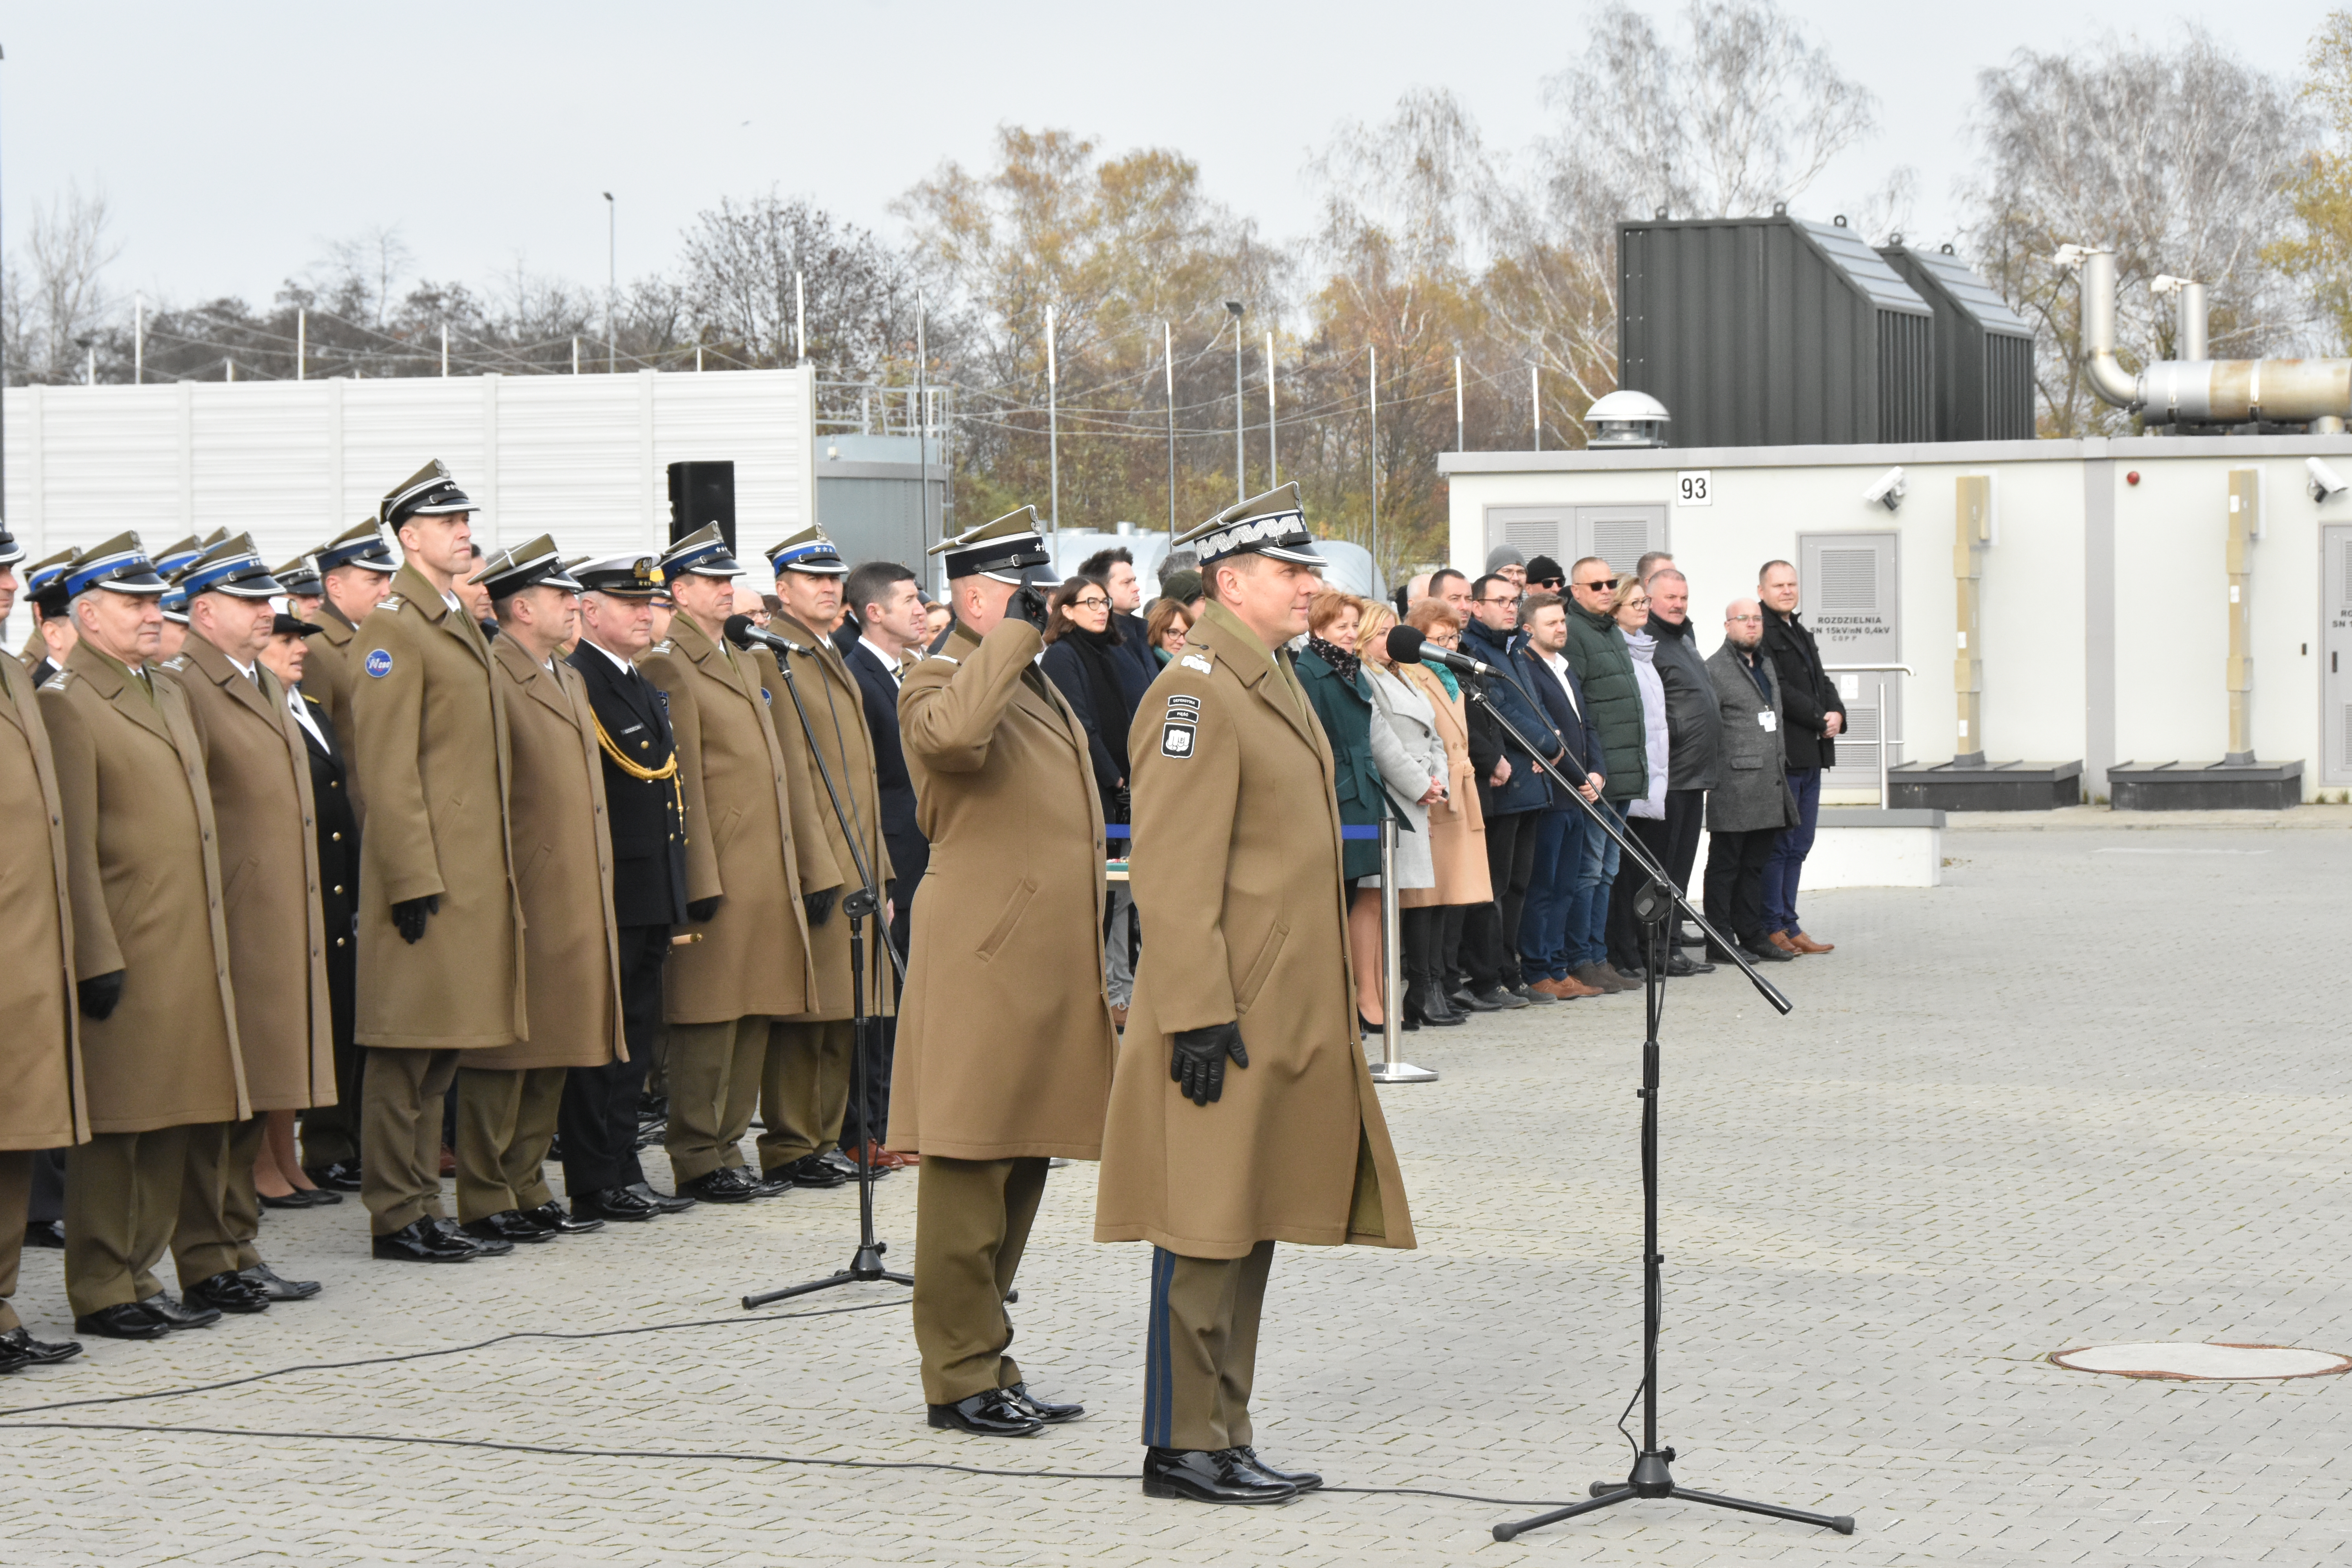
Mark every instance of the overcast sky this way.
pixel 234 141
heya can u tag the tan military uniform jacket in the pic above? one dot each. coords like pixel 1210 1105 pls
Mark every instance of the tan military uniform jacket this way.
pixel 260 773
pixel 563 849
pixel 431 760
pixel 327 676
pixel 1005 1039
pixel 750 839
pixel 41 1104
pixel 836 712
pixel 1235 870
pixel 141 859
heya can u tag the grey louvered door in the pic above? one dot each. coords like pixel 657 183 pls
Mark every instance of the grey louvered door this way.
pixel 1848 595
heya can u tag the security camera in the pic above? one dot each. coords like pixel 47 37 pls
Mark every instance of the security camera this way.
pixel 1888 491
pixel 2325 483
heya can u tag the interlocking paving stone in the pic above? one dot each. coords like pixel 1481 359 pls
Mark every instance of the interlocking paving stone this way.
pixel 2070 1097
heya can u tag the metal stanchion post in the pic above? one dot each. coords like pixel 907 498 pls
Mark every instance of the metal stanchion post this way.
pixel 1393 1067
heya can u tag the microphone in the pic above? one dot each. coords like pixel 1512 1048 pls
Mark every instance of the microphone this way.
pixel 1407 645
pixel 743 634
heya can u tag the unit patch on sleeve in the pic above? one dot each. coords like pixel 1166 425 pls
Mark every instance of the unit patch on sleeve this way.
pixel 1175 739
pixel 378 663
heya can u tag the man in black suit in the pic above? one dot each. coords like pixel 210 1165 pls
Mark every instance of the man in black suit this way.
pixel 886 621
pixel 598 1119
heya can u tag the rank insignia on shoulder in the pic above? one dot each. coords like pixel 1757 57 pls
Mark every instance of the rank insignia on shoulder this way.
pixel 1175 740
pixel 1182 702
pixel 663 697
pixel 177 661
pixel 378 663
pixel 391 604
pixel 944 659
pixel 659 647
pixel 58 681
pixel 1195 661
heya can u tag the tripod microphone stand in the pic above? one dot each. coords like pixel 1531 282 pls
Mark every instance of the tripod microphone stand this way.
pixel 1655 908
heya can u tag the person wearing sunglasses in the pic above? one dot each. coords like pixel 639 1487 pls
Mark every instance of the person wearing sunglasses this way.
pixel 1597 652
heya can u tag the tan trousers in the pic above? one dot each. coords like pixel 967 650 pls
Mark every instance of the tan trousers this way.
pixel 505 1120
pixel 714 1083
pixel 972 1222
pixel 220 1208
pixel 803 1089
pixel 16 1200
pixel 1200 1353
pixel 122 1202
pixel 400 1135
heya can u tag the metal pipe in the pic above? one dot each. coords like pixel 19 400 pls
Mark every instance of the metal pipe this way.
pixel 2191 338
pixel 1393 1067
pixel 2106 376
pixel 2192 389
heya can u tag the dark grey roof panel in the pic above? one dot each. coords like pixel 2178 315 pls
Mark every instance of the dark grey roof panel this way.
pixel 1971 293
pixel 1869 271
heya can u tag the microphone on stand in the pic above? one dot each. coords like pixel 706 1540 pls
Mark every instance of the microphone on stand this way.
pixel 740 631
pixel 1407 645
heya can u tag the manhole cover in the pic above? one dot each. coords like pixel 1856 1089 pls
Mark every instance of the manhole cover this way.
pixel 2190 1362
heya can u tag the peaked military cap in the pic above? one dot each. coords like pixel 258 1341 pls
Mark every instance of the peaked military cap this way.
pixel 624 576
pixel 430 491
pixel 45 581
pixel 362 544
pixel 217 536
pixel 1008 550
pixel 1270 525
pixel 175 605
pixel 120 566
pixel 528 565
pixel 300 576
pixel 11 552
pixel 233 567
pixel 283 625
pixel 808 551
pixel 703 552
pixel 174 559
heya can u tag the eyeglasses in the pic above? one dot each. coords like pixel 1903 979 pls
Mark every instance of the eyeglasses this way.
pixel 1743 617
pixel 1603 583
pixel 1090 603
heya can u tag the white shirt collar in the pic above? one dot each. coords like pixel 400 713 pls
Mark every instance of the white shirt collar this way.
pixel 244 670
pixel 881 654
pixel 303 715
pixel 624 663
pixel 1558 664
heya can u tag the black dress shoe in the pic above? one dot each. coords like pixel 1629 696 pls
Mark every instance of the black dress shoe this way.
pixel 36 1353
pixel 1304 1480
pixel 1766 954
pixel 1222 1476
pixel 173 1314
pixel 507 1226
pixel 10 1359
pixel 810 1171
pixel 662 1201
pixel 614 1203
pixel 45 1233
pixel 341 1176
pixel 264 1278
pixel 1498 1000
pixel 229 1292
pixel 988 1414
pixel 1532 997
pixel 551 1214
pixel 321 1197
pixel 422 1241
pixel 835 1160
pixel 1425 1004
pixel 772 1183
pixel 1044 1410
pixel 727 1185
pixel 123 1320
pixel 299 1198
pixel 1464 1000
pixel 483 1246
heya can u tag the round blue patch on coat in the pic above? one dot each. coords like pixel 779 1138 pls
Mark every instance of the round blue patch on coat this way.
pixel 379 663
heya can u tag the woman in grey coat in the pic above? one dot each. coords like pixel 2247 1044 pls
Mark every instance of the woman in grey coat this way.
pixel 1750 802
pixel 1416 772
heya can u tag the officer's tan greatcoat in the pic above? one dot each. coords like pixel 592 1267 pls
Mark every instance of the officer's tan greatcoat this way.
pixel 1235 870
pixel 1005 1039
pixel 327 676
pixel 836 712
pixel 431 761
pixel 41 1103
pixel 140 859
pixel 260 773
pixel 563 856
pixel 750 839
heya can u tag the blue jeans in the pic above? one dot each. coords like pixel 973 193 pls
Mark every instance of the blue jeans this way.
pixel 1788 862
pixel 1596 870
pixel 1551 887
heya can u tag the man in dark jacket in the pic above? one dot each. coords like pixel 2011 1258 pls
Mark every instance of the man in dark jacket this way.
pixel 1115 567
pixel 1693 736
pixel 1512 794
pixel 1598 652
pixel 1750 805
pixel 1815 719
pixel 1544 931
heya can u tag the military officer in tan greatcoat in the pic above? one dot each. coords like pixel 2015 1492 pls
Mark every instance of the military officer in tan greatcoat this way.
pixel 441 958
pixel 1005 1039
pixel 754 852
pixel 1235 866
pixel 805 1093
pixel 53 633
pixel 40 1050
pixel 260 775
pixel 151 945
pixel 508 1096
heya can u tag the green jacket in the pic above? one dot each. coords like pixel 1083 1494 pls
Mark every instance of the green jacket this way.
pixel 1597 652
pixel 1346 712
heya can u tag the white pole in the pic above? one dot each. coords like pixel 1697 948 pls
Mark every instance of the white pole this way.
pixel 444 348
pixel 1373 380
pixel 923 425
pixel 228 370
pixel 1168 363
pixel 1053 434
pixel 800 318
pixel 301 343
pixel 697 356
pixel 1241 462
pixel 612 276
pixel 575 356
pixel 1273 468
pixel 1535 403
pixel 1457 404
pixel 138 339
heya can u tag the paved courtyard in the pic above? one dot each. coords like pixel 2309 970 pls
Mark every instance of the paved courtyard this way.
pixel 2093 1090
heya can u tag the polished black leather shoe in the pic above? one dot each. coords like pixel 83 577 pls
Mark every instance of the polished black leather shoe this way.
pixel 230 1292
pixel 507 1226
pixel 1222 1476
pixel 36 1353
pixel 264 1278
pixel 1680 967
pixel 988 1414
pixel 613 1202
pixel 483 1246
pixel 551 1214
pixel 662 1201
pixel 1044 1410
pixel 835 1160
pixel 12 1359
pixel 321 1197
pixel 1304 1480
pixel 299 1198
pixel 123 1320
pixel 772 1183
pixel 727 1185
pixel 173 1314
pixel 341 1176
pixel 45 1233
pixel 422 1241
pixel 1466 1000
pixel 1768 953
pixel 811 1171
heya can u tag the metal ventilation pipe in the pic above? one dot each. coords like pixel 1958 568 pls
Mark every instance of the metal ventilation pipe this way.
pixel 2200 391
pixel 2189 314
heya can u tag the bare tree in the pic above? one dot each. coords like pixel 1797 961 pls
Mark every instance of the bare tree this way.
pixel 744 260
pixel 57 293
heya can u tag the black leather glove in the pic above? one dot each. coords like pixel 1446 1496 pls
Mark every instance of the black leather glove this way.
pixel 701 910
pixel 408 917
pixel 99 993
pixel 819 905
pixel 1198 1062
pixel 1029 603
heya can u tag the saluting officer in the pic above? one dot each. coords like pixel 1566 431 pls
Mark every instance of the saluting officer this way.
pixel 440 924
pixel 40 1051
pixel 260 785
pixel 1005 1039
pixel 53 633
pixel 805 1093
pixel 646 811
pixel 151 945
pixel 1236 875
pixel 754 851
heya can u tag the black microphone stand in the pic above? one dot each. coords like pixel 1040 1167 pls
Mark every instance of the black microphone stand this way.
pixel 1653 907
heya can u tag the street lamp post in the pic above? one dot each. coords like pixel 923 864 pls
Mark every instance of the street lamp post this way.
pixel 612 276
pixel 1241 485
